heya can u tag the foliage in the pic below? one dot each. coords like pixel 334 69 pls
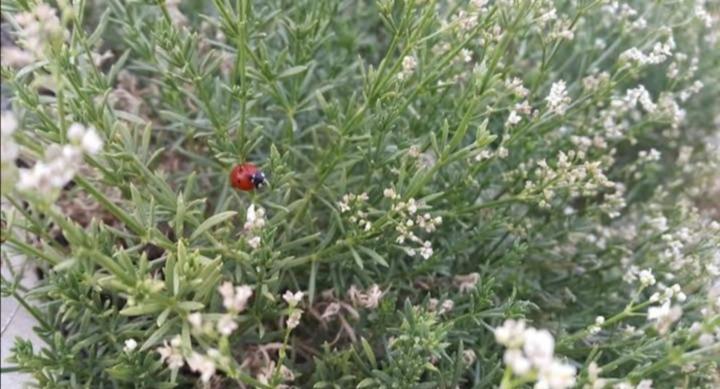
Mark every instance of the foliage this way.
pixel 436 168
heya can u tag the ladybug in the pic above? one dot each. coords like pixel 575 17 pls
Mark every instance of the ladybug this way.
pixel 247 177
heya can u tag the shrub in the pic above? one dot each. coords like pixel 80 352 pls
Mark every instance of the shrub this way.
pixel 461 194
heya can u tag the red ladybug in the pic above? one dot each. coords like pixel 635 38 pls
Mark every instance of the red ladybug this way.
pixel 247 177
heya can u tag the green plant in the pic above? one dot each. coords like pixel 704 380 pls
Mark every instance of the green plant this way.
pixel 442 174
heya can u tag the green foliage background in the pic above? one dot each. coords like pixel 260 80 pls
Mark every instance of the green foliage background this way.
pixel 308 90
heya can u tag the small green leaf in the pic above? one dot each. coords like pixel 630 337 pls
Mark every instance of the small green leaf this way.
pixel 357 258
pixel 191 305
pixel 292 71
pixel 374 255
pixel 155 337
pixel 368 352
pixel 212 221
pixel 143 309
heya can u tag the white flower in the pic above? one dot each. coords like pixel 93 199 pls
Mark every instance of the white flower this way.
pixel 511 333
pixel 8 124
pixel 556 375
pixel 203 365
pixel 294 319
pixel 255 218
pixel 226 325
pixel 646 277
pixel 292 299
pixel 54 172
pixel 515 359
pixel 469 357
pixel 75 132
pixel 38 29
pixel 446 306
pixel 538 346
pixel 466 55
pixel 130 345
pixel 195 319
pixel 426 251
pixel 412 206
pixel 513 119
pixel 664 316
pixel 558 99
pixel 409 63
pixel 706 340
pixel 9 150
pixel 516 87
pixel 91 142
pixel 254 242
pixel 235 298
pixel 390 193
pixel 171 353
pixel 641 95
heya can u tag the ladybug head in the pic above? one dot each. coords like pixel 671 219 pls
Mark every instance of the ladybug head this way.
pixel 258 179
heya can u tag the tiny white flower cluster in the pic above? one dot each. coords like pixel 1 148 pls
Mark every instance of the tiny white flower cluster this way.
pixel 410 219
pixel 254 223
pixel 614 202
pixel 9 149
pixel 235 298
pixel 466 282
pixel 641 95
pixel 38 29
pixel 651 155
pixel 446 306
pixel 595 328
pixel 563 29
pixel 599 383
pixel 659 53
pixel 226 325
pixel 60 162
pixel 501 152
pixel 466 21
pixel 558 99
pixel 664 316
pixel 666 293
pixel 409 64
pixel 130 345
pixel 645 276
pixel 516 87
pixel 370 298
pixel 624 12
pixel 425 160
pixel 586 179
pixel 593 82
pixel 674 254
pixel 172 354
pixel 202 364
pixel 703 15
pixel 292 300
pixel 352 201
pixel 530 353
